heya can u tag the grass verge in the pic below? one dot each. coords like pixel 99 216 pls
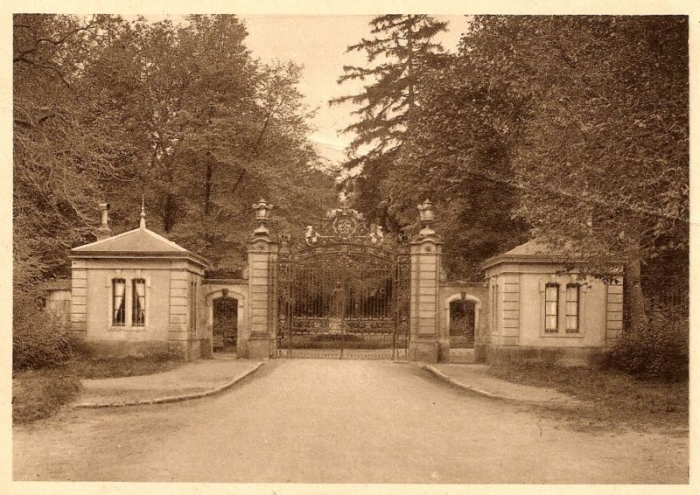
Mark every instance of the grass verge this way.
pixel 39 394
pixel 615 398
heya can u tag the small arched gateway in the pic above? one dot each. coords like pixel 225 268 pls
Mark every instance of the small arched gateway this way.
pixel 225 323
pixel 226 302
pixel 462 312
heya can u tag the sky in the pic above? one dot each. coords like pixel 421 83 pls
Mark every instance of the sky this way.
pixel 319 43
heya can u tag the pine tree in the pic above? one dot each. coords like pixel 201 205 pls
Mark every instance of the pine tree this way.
pixel 400 50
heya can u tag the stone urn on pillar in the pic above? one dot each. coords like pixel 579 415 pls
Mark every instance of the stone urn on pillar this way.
pixel 262 215
pixel 426 250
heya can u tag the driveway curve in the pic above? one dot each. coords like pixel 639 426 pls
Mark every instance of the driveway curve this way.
pixel 332 421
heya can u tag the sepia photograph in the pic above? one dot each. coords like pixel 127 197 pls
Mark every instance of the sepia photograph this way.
pixel 320 251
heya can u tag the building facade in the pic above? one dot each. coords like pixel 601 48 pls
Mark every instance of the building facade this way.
pixel 137 291
pixel 543 310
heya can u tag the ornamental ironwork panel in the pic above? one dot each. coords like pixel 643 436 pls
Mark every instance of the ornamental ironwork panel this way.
pixel 343 292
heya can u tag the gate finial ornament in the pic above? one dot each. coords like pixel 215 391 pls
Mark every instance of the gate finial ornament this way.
pixel 427 217
pixel 262 215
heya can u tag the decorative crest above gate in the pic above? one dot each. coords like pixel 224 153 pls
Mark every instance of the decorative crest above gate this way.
pixel 344 225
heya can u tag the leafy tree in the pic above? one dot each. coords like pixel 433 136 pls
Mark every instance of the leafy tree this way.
pixel 602 158
pixel 58 163
pixel 181 114
pixel 400 51
pixel 251 143
pixel 459 155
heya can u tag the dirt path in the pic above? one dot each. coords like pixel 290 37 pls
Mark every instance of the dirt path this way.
pixel 311 421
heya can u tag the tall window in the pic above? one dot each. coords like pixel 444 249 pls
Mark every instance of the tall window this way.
pixel 551 308
pixel 138 302
pixel 118 305
pixel 572 308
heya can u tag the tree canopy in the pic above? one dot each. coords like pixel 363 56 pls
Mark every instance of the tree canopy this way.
pixel 569 129
pixel 601 162
pixel 401 49
pixel 180 114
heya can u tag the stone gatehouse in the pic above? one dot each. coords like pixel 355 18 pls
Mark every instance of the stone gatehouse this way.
pixel 343 293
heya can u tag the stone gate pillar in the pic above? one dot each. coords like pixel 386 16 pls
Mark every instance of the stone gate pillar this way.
pixel 426 249
pixel 262 255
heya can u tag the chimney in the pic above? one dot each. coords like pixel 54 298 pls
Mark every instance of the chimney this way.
pixel 103 232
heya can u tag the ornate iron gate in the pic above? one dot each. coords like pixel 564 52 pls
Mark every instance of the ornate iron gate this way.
pixel 343 293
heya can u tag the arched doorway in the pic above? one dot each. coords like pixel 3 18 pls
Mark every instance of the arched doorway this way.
pixel 225 323
pixel 462 323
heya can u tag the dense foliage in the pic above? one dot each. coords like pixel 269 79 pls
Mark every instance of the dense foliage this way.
pixel 38 339
pixel 660 349
pixel 64 144
pixel 182 115
pixel 459 154
pixel 570 129
pixel 402 48
pixel 601 160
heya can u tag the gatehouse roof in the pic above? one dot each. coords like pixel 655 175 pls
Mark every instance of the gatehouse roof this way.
pixel 530 252
pixel 140 242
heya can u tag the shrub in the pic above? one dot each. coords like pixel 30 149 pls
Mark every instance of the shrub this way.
pixel 38 338
pixel 658 350
pixel 40 394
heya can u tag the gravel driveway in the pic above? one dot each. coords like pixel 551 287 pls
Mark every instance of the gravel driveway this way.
pixel 332 421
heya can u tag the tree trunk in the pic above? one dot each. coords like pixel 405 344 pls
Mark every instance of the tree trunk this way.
pixel 633 285
pixel 409 63
pixel 207 186
pixel 169 205
pixel 169 213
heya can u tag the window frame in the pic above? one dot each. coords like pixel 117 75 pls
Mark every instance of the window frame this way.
pixel 134 301
pixel 115 322
pixel 577 315
pixel 551 331
pixel 583 293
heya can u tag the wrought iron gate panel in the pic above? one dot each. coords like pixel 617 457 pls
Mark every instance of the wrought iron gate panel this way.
pixel 343 295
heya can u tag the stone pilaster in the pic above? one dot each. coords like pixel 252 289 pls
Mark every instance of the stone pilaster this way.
pixel 179 332
pixel 78 301
pixel 425 273
pixel 262 257
pixel 613 312
pixel 509 304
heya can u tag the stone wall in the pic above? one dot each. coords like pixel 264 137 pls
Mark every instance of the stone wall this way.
pixel 58 303
pixel 558 356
